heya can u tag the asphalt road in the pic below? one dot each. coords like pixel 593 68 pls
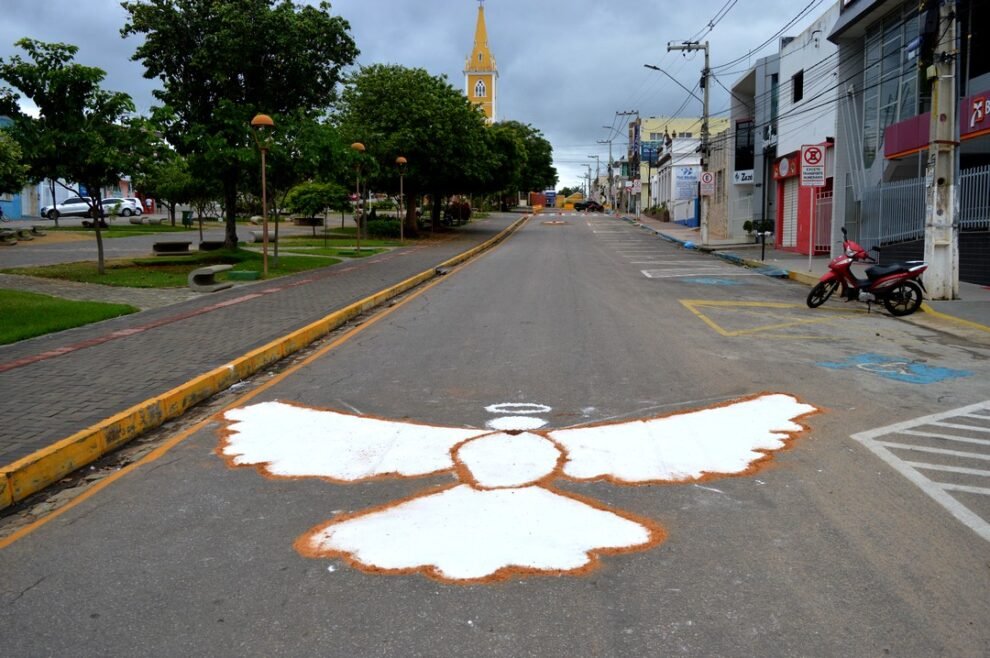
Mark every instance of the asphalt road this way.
pixel 827 550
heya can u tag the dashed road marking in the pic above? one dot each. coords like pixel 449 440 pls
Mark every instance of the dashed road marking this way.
pixel 938 454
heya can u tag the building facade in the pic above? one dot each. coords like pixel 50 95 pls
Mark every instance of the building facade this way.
pixel 883 126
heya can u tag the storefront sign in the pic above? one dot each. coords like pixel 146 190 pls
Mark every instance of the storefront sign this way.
pixel 743 177
pixel 686 182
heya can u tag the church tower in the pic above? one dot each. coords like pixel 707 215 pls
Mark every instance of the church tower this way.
pixel 480 72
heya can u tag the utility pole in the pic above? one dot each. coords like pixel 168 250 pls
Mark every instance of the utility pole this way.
pixel 611 191
pixel 690 46
pixel 597 170
pixel 629 152
pixel 941 225
pixel 587 193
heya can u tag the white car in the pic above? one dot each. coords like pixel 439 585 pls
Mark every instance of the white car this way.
pixel 74 206
pixel 138 204
pixel 121 207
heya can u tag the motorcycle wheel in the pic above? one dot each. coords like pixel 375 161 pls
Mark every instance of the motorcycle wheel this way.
pixel 821 292
pixel 903 299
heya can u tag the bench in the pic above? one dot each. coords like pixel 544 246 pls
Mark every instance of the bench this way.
pixel 24 234
pixel 135 220
pixel 210 245
pixel 171 248
pixel 203 279
pixel 38 230
pixel 154 221
pixel 8 237
pixel 259 236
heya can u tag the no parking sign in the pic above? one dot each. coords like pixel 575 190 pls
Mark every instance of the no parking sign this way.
pixel 812 166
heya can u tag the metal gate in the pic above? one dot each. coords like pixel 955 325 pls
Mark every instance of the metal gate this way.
pixel 788 229
pixel 823 223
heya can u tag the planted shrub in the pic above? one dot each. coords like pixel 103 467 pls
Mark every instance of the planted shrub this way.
pixel 383 228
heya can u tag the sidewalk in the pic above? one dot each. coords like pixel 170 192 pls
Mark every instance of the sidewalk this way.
pixel 84 391
pixel 973 307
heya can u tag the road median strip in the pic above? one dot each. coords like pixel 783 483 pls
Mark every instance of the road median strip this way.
pixel 33 473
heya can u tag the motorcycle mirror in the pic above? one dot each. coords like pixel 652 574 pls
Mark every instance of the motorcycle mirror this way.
pixel 844 234
pixel 876 249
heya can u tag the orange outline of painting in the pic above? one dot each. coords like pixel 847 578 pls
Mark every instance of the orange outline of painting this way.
pixel 754 467
pixel 303 545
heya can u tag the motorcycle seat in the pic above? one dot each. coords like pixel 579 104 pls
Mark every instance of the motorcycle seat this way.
pixel 877 271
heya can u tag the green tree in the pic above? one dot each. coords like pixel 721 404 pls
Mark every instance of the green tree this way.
pixel 164 175
pixel 538 172
pixel 13 173
pixel 95 135
pixel 220 63
pixel 312 198
pixel 395 110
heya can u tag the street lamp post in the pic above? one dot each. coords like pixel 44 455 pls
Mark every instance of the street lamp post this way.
pixel 262 125
pixel 359 148
pixel 401 162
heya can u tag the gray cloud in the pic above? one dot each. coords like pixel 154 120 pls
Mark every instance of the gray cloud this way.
pixel 565 67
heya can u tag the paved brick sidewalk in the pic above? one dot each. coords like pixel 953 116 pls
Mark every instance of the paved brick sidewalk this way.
pixel 54 386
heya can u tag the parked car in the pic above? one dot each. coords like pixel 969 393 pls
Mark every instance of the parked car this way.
pixel 589 205
pixel 121 207
pixel 138 204
pixel 74 206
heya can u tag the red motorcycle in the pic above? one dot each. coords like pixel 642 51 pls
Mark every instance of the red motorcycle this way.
pixel 897 285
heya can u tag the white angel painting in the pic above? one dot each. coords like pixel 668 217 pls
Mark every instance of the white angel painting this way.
pixel 502 517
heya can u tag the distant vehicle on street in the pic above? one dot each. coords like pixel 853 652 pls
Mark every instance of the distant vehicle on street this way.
pixel 121 207
pixel 74 206
pixel 589 205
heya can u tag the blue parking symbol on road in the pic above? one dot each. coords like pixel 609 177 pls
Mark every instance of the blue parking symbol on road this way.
pixel 901 370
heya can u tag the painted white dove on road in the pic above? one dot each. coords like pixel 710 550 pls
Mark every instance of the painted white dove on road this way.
pixel 502 518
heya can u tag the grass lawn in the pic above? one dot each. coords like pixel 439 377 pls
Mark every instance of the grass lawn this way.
pixel 349 251
pixel 171 271
pixel 26 314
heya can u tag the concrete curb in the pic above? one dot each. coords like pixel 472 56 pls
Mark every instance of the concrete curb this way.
pixel 33 473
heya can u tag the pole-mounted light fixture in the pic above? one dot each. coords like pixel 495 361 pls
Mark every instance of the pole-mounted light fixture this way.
pixel 262 128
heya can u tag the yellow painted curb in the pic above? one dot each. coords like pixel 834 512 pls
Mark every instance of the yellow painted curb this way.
pixel 801 277
pixel 40 469
pixel 951 318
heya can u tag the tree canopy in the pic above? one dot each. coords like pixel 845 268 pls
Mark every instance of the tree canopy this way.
pixel 83 133
pixel 220 63
pixel 13 173
pixel 395 110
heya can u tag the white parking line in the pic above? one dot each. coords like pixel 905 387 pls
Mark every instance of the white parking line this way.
pixel 886 442
pixel 663 274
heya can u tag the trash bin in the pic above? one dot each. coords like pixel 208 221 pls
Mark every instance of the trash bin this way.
pixel 187 217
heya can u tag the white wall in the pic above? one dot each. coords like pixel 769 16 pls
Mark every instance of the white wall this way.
pixel 812 119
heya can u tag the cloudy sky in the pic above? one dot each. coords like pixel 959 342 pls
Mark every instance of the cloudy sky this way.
pixel 566 68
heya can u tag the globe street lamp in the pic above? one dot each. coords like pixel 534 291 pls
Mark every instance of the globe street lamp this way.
pixel 263 126
pixel 401 162
pixel 359 148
